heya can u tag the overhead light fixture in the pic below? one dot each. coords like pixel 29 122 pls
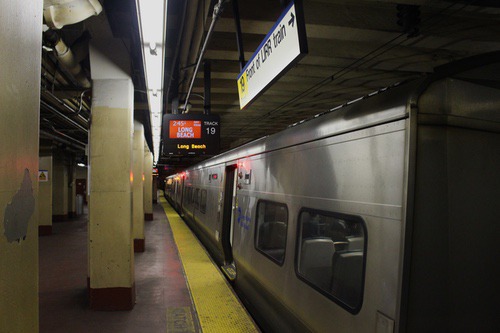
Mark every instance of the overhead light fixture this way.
pixel 81 161
pixel 152 17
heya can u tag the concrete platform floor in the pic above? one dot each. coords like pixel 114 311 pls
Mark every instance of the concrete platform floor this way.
pixel 159 281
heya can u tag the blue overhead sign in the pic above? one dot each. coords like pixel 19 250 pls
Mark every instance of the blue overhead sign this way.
pixel 283 46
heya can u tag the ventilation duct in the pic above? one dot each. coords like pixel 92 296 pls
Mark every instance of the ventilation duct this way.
pixel 58 13
pixel 66 57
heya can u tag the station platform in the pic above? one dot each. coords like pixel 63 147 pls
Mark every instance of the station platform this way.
pixel 178 288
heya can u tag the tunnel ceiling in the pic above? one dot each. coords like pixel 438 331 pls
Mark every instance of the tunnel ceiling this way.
pixel 354 48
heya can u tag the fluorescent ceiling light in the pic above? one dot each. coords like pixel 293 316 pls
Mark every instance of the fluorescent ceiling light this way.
pixel 152 22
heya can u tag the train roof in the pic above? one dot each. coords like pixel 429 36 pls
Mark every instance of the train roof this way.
pixel 368 111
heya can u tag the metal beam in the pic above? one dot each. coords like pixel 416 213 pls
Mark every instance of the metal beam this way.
pixel 208 85
pixel 239 38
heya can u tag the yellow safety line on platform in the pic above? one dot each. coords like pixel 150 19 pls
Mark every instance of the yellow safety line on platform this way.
pixel 217 307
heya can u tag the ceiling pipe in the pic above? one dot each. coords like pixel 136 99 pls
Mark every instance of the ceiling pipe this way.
pixel 63 116
pixel 79 146
pixel 218 8
pixel 58 13
pixel 82 145
pixel 67 58
pixel 51 73
pixel 80 107
pixel 67 137
pixel 75 113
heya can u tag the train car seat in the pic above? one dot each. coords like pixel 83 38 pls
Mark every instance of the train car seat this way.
pixel 316 261
pixel 272 239
pixel 356 243
pixel 346 283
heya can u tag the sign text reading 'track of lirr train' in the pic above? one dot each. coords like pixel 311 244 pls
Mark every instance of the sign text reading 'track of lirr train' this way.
pixel 283 46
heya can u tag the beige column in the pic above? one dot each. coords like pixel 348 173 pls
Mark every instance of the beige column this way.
pixel 20 54
pixel 148 184
pixel 45 195
pixel 59 188
pixel 138 187
pixel 111 257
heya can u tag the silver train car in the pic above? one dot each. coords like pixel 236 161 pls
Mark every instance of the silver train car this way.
pixel 379 216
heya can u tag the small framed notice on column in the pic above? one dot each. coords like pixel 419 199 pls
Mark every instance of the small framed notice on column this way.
pixel 43 176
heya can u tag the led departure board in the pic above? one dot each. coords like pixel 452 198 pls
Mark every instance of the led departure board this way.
pixel 184 129
pixel 191 134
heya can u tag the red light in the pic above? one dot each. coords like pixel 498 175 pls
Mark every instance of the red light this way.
pixel 243 165
pixel 214 176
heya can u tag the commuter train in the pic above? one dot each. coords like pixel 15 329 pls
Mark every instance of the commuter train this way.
pixel 378 216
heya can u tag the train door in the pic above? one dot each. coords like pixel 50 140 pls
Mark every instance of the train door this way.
pixel 180 195
pixel 227 213
pixel 175 192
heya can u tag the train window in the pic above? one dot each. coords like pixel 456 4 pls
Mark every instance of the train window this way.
pixel 272 223
pixel 203 201
pixel 331 254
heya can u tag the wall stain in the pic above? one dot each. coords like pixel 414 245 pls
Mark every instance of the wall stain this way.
pixel 18 212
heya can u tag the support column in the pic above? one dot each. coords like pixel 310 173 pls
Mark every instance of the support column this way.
pixel 59 189
pixel 111 257
pixel 138 187
pixel 21 41
pixel 45 196
pixel 148 184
